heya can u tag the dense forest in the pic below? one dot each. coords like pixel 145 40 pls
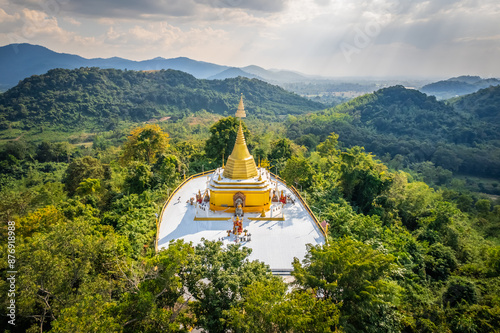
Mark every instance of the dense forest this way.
pixel 408 250
pixel 401 256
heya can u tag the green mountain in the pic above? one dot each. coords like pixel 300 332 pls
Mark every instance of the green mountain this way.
pixel 89 96
pixel 483 105
pixel 399 121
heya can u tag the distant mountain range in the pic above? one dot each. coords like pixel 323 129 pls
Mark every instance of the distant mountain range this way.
pixel 458 86
pixel 19 61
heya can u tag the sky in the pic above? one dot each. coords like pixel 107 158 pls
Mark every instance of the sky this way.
pixel 382 38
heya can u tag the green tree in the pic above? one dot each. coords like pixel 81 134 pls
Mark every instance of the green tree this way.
pixel 100 143
pixel 215 277
pixel 362 178
pixel 89 186
pixel 299 171
pixel 329 147
pixel 460 290
pixel 166 170
pixel 268 307
pixel 281 150
pixel 90 191
pixel 15 203
pixel 411 201
pixel 91 314
pixel 19 149
pixel 483 206
pixel 310 141
pixel 440 261
pixel 39 221
pixel 493 262
pixel 79 170
pixel 54 152
pixel 447 158
pixel 144 144
pixel 139 177
pixel 353 274
pixel 223 136
pixel 45 152
pixel 134 217
pixel 188 152
pixel 57 268
pixel 153 298
pixel 464 202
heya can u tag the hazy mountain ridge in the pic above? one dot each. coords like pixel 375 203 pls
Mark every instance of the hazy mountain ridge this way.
pixel 458 86
pixel 232 73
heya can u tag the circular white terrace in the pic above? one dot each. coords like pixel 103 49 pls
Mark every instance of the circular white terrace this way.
pixel 275 240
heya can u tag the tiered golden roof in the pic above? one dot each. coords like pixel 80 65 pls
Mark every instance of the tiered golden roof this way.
pixel 240 164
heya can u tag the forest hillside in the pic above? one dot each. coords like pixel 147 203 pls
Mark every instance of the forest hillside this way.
pixel 461 136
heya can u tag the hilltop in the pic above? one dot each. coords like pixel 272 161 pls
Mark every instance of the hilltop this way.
pixel 90 96
pixel 412 127
pixel 394 111
pixel 483 105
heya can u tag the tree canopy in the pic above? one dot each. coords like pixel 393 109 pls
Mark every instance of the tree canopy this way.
pixel 145 143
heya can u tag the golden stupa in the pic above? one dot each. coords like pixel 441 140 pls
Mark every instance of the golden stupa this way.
pixel 240 186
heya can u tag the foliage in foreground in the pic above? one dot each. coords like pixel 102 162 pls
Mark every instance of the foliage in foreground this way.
pixel 401 256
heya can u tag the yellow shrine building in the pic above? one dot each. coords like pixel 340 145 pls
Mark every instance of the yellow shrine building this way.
pixel 240 186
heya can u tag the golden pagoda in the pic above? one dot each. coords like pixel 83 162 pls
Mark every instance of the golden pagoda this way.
pixel 240 186
pixel 240 164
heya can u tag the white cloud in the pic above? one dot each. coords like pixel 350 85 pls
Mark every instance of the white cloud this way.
pixel 404 36
pixel 72 21
pixel 6 18
pixel 30 26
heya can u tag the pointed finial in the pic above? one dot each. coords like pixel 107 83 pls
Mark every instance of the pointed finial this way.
pixel 223 160
pixel 240 113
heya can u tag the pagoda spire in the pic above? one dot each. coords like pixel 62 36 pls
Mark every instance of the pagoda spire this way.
pixel 240 113
pixel 240 164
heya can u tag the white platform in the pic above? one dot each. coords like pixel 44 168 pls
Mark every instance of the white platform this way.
pixel 275 243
